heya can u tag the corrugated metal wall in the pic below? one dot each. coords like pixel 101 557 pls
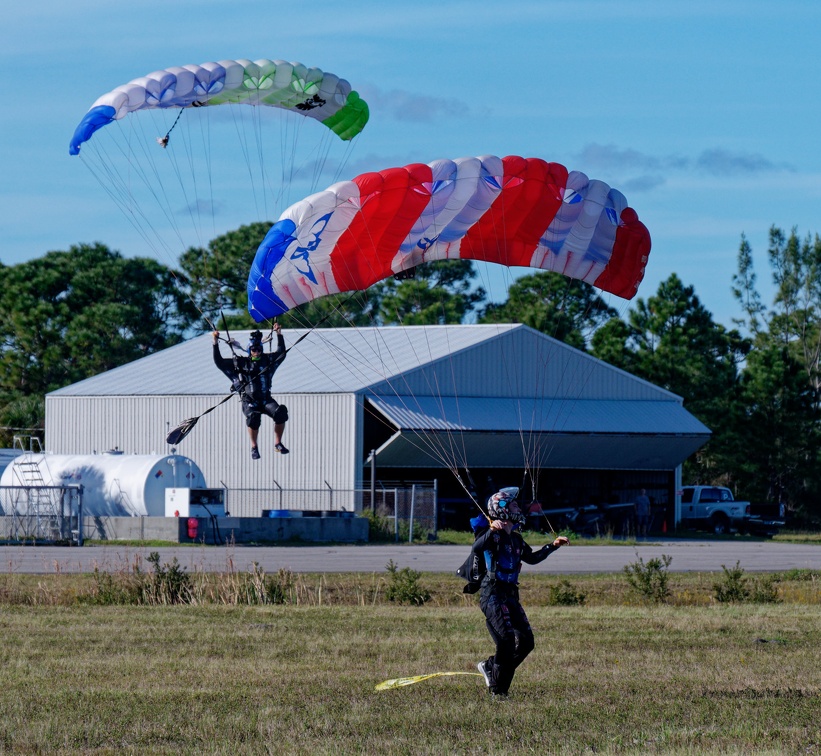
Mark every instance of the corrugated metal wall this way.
pixel 321 434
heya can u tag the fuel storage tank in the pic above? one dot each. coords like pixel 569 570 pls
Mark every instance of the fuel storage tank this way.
pixel 114 484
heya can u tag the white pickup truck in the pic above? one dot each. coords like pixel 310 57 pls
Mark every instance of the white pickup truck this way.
pixel 714 508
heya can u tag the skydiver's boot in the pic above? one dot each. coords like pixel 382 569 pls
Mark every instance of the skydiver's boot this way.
pixel 254 452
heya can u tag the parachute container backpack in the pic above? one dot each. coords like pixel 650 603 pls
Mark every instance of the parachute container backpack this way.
pixel 514 211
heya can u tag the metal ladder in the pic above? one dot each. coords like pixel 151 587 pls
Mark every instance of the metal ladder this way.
pixel 41 513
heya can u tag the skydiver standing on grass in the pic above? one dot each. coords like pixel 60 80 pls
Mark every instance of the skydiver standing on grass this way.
pixel 500 551
pixel 251 378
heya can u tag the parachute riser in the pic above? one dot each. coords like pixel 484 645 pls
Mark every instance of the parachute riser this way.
pixel 163 141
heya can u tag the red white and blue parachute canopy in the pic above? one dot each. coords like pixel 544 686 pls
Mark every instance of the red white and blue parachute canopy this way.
pixel 513 211
pixel 275 83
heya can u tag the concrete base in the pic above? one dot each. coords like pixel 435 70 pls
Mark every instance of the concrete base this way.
pixel 221 530
pixel 225 529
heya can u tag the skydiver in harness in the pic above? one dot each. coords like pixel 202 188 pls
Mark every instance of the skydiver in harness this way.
pixel 493 568
pixel 251 378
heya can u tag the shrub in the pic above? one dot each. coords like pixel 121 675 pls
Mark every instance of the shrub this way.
pixel 733 587
pixel 765 590
pixel 248 588
pixel 120 589
pixel 420 533
pixel 564 594
pixel 277 588
pixel 651 579
pixel 170 584
pixel 403 586
pixel 802 573
pixel 379 527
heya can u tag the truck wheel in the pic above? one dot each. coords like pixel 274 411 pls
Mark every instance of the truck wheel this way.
pixel 719 524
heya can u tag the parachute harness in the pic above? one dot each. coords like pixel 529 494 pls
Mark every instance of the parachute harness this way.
pixel 186 426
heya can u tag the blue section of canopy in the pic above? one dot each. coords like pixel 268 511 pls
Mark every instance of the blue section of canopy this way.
pixel 95 119
pixel 263 302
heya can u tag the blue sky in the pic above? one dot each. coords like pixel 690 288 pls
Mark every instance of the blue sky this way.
pixel 705 114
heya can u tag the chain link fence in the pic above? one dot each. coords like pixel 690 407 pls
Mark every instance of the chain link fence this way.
pixel 52 514
pixel 409 510
pixel 41 514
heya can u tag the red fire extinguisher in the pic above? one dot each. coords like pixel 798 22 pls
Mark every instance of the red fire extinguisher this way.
pixel 193 523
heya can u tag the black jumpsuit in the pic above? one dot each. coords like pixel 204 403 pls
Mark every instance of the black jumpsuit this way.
pixel 503 554
pixel 252 380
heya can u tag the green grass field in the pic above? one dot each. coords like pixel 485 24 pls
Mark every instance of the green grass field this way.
pixel 614 675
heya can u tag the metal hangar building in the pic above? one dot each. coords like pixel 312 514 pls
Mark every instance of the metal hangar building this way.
pixel 497 400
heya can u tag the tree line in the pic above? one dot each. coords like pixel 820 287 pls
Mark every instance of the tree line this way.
pixel 73 314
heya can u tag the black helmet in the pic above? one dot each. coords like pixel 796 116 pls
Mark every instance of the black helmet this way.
pixel 498 506
pixel 256 342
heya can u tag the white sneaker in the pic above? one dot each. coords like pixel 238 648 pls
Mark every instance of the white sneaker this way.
pixel 482 667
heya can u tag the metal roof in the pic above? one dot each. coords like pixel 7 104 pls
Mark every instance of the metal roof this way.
pixel 565 433
pixel 328 360
pixel 352 360
pixel 542 414
pixel 495 389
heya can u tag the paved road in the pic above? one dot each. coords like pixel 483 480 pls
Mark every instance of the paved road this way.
pixel 688 556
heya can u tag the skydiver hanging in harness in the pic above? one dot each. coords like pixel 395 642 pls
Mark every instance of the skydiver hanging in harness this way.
pixel 251 378
pixel 493 567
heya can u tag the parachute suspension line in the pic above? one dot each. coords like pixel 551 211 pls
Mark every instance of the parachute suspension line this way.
pixel 290 141
pixel 259 142
pixel 248 126
pixel 540 414
pixel 316 168
pixel 347 358
pixel 163 141
pixel 228 338
pixel 449 451
pixel 152 178
pixel 142 162
pixel 451 460
pixel 199 131
pixel 571 387
pixel 118 185
pixel 238 118
pixel 192 166
pixel 185 171
pixel 343 161
pixel 290 132
pixel 187 166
